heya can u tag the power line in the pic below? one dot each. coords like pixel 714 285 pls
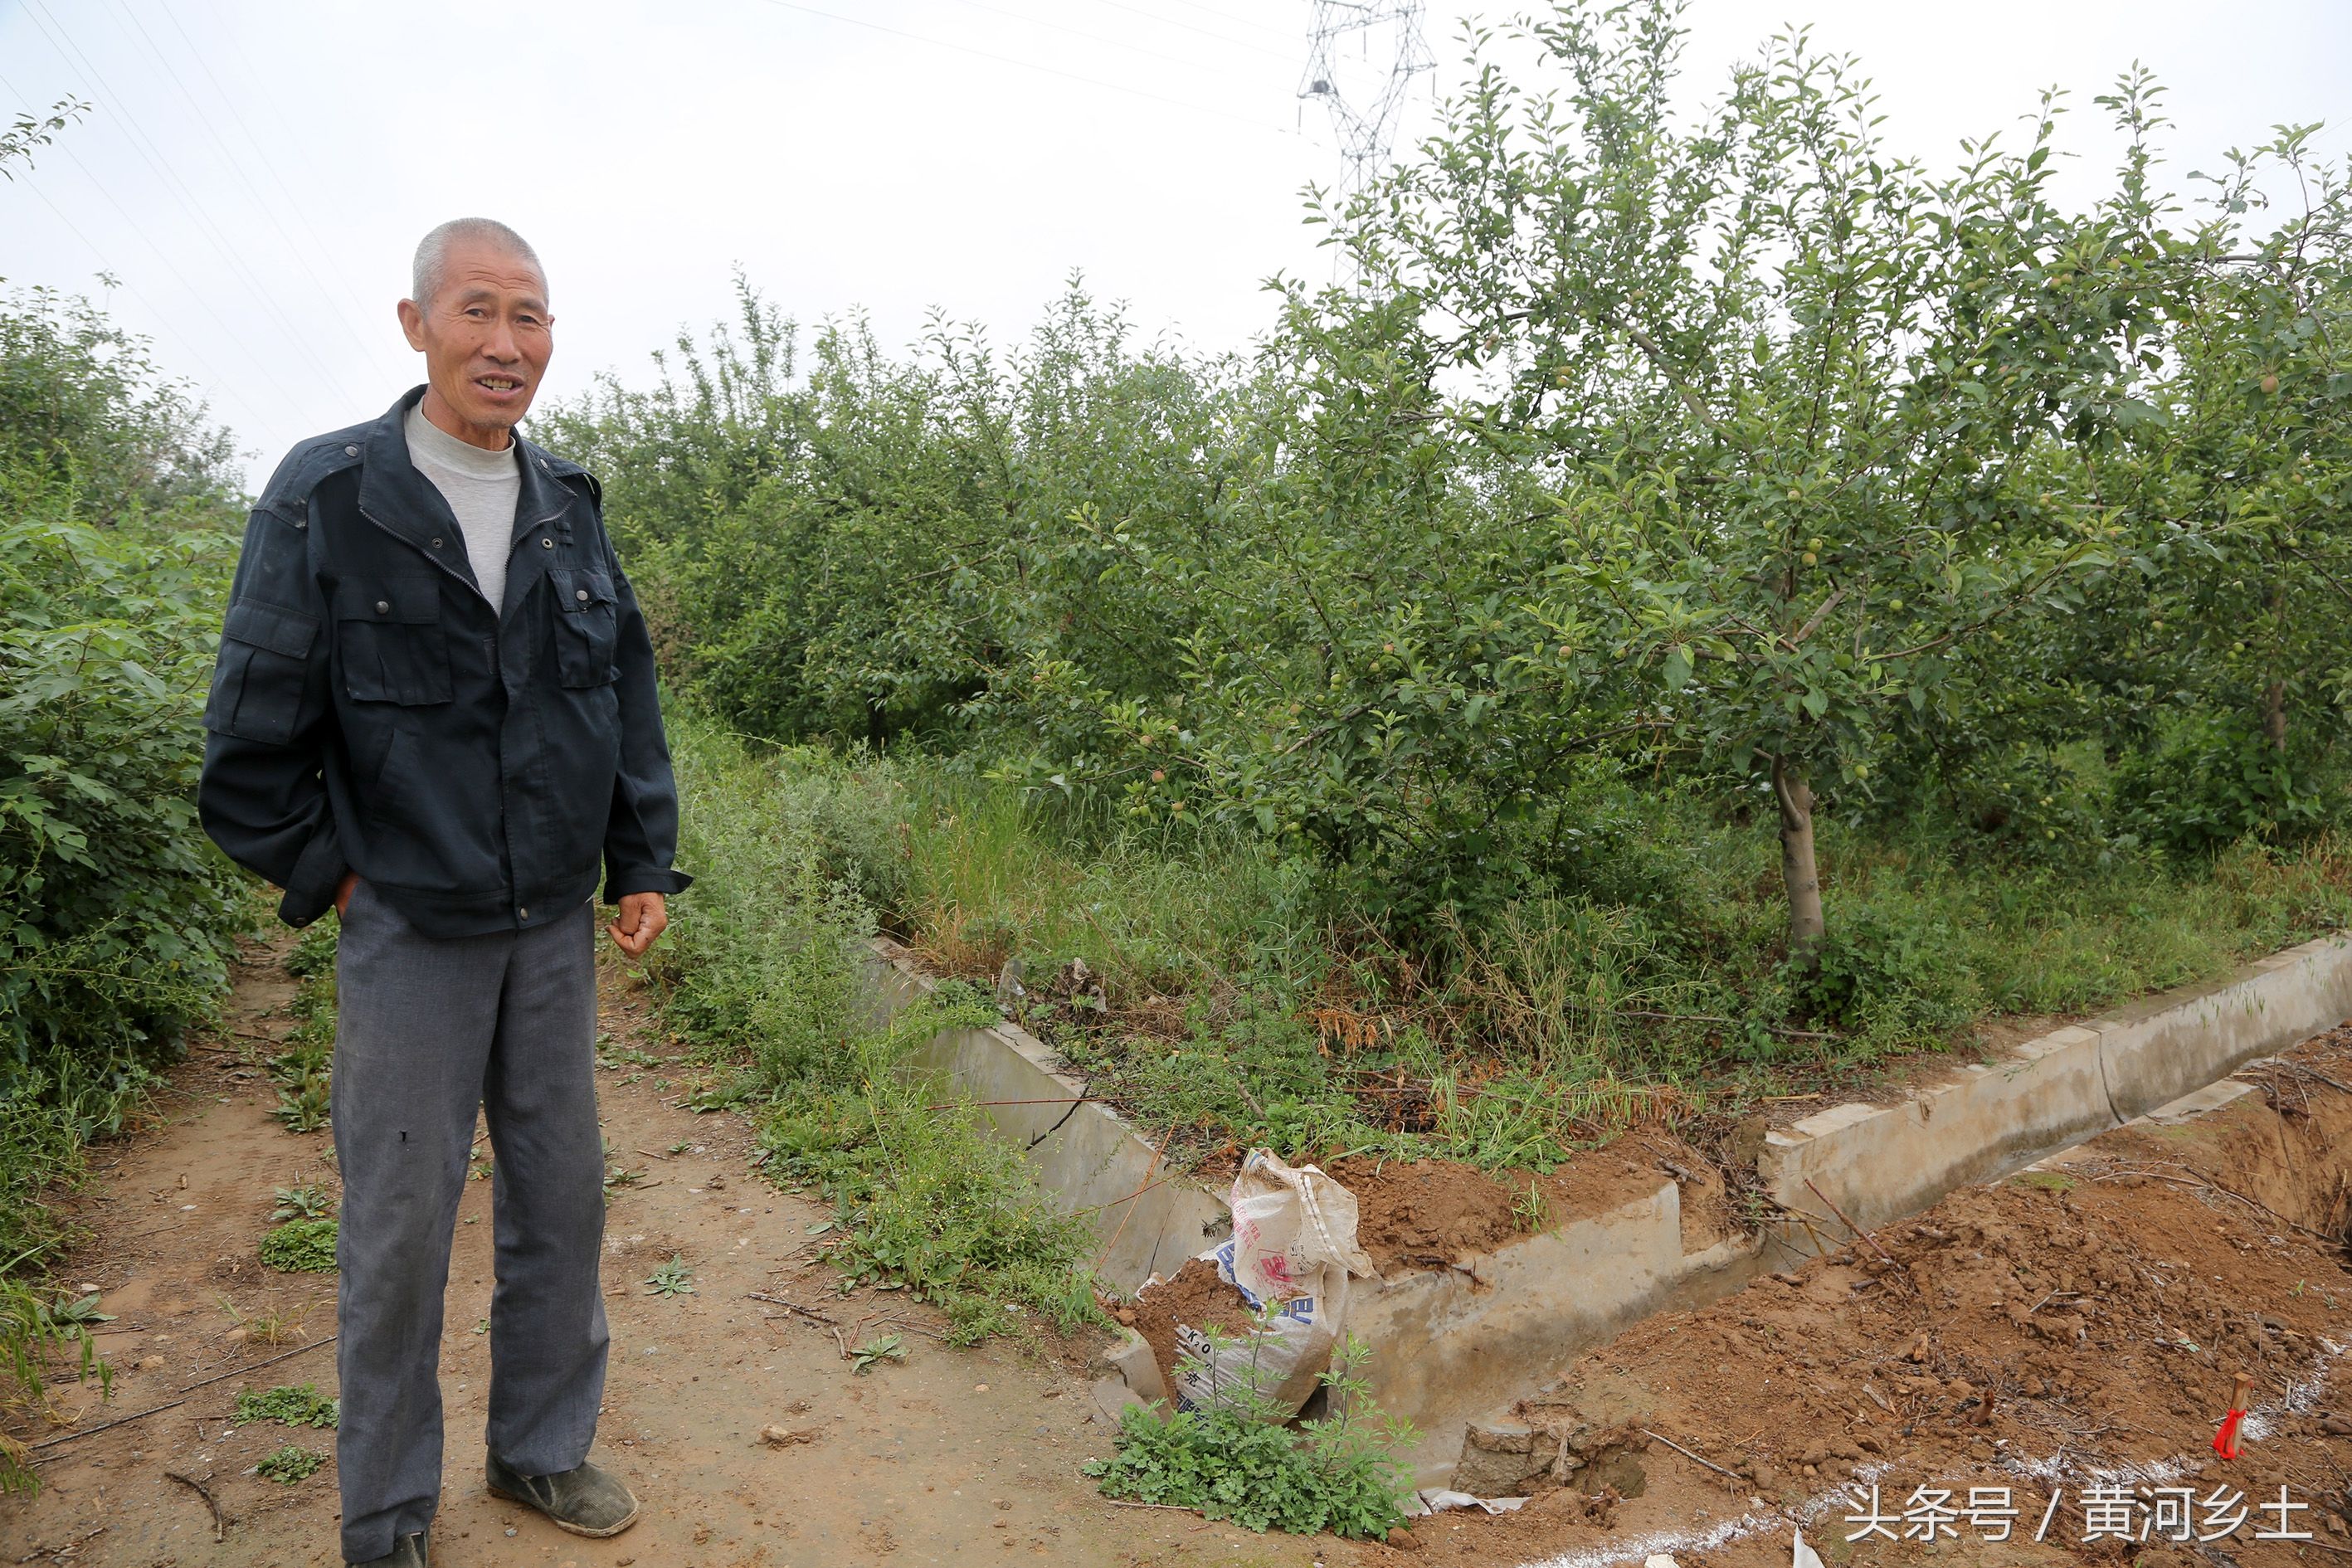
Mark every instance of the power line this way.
pixel 162 320
pixel 139 229
pixel 368 347
pixel 323 193
pixel 1241 21
pixel 1245 22
pixel 1114 43
pixel 145 147
pixel 1029 65
pixel 1191 28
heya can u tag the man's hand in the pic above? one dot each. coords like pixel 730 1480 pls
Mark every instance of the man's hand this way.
pixel 643 916
pixel 343 892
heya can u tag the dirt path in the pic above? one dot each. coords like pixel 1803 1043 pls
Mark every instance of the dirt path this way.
pixel 954 1453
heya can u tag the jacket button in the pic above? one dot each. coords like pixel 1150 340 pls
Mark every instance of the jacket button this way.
pixel 581 594
pixel 383 608
pixel 547 544
pixel 522 915
pixel 437 544
pixel 351 451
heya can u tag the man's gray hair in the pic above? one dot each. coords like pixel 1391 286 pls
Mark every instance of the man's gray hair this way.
pixel 432 252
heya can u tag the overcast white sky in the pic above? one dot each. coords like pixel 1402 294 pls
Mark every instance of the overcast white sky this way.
pixel 257 172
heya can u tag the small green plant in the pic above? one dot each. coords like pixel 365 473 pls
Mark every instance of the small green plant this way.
pixel 314 951
pixel 290 1464
pixel 888 1347
pixel 305 1200
pixel 619 1176
pixel 74 1316
pixel 1529 1211
pixel 672 1278
pixel 289 1406
pixel 1235 1460
pixel 302 1107
pixel 300 1247
pixel 301 1072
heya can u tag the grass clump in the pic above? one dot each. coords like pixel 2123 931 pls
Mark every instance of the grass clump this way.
pixel 767 981
pixel 289 1406
pixel 1646 979
pixel 290 1463
pixel 927 1194
pixel 302 1071
pixel 38 1333
pixel 1235 1458
pixel 300 1247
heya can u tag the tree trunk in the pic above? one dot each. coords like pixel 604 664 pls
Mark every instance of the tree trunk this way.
pixel 1798 871
pixel 2274 694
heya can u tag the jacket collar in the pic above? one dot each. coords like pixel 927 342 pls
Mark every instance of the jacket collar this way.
pixel 398 499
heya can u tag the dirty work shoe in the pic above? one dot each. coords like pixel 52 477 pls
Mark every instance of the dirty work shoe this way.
pixel 586 1502
pixel 409 1551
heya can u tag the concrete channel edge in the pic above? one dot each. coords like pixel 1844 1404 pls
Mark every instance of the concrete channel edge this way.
pixel 1454 1348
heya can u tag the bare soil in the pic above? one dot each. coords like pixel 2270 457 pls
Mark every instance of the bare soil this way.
pixel 955 1453
pixel 2081 1320
pixel 1198 1296
pixel 1432 1213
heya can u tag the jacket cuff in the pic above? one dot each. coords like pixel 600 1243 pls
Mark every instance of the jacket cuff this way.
pixel 318 872
pixel 620 883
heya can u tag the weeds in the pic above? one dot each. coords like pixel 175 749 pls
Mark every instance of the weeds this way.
pixel 303 1201
pixel 1649 986
pixel 290 1463
pixel 289 1406
pixel 1529 1211
pixel 35 1334
pixel 302 1071
pixel 1235 1460
pixel 872 1352
pixel 768 980
pixel 672 1278
pixel 300 1247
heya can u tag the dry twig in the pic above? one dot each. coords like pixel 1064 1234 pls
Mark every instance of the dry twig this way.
pixel 220 1522
pixel 1694 1458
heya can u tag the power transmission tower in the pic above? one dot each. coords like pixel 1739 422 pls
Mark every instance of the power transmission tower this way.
pixel 1363 88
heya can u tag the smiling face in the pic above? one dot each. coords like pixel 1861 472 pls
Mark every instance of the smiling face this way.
pixel 485 336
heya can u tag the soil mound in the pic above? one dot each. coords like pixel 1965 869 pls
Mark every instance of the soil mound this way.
pixel 2082 1320
pixel 1198 1296
pixel 1431 1214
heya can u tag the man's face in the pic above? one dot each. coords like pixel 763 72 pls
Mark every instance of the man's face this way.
pixel 487 337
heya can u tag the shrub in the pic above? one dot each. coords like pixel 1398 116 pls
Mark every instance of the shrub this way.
pixel 2211 780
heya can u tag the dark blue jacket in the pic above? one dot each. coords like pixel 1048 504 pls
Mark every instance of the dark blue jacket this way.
pixel 371 712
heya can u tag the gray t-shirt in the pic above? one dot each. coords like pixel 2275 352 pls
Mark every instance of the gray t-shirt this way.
pixel 480 487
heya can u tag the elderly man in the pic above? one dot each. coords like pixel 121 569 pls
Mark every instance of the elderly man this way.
pixel 435 713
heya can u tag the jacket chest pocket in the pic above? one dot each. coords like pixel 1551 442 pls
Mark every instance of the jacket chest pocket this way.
pixel 587 625
pixel 388 634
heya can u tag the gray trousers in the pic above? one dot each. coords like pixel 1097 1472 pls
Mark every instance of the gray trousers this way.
pixel 426 1030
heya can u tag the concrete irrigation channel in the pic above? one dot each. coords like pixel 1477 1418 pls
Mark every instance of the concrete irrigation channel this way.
pixel 1456 1346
